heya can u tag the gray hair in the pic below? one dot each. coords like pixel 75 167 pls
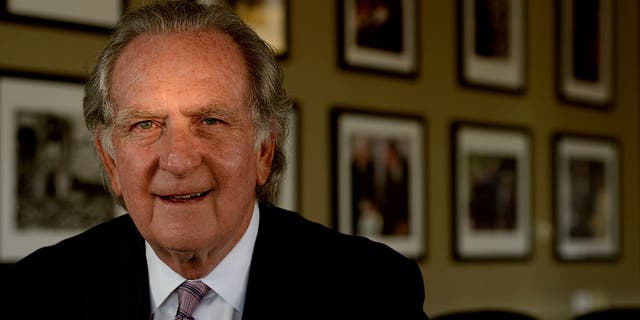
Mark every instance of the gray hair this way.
pixel 269 106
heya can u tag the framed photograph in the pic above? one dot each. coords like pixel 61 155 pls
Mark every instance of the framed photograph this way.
pixel 586 196
pixel 378 171
pixel 585 45
pixel 289 188
pixel 268 18
pixel 89 15
pixel 492 44
pixel 491 192
pixel 379 35
pixel 50 182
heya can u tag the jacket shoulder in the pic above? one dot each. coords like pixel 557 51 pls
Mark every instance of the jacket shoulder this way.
pixel 291 231
pixel 363 277
pixel 103 268
pixel 94 243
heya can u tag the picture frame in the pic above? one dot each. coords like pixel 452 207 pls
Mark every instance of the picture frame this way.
pixel 492 44
pixel 379 36
pixel 585 50
pixel 85 15
pixel 586 197
pixel 491 192
pixel 268 18
pixel 288 196
pixel 378 170
pixel 50 181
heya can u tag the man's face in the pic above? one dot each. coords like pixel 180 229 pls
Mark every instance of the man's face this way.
pixel 184 158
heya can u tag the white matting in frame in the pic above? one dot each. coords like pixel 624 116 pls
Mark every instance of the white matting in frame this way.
pixel 587 208
pixel 493 147
pixel 50 187
pixel 102 13
pixel 381 130
pixel 288 194
pixel 493 43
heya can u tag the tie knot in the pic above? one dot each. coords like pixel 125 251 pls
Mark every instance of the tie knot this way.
pixel 190 293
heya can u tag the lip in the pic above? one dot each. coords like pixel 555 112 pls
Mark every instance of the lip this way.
pixel 185 197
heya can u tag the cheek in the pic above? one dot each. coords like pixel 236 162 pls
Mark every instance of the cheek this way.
pixel 133 169
pixel 236 164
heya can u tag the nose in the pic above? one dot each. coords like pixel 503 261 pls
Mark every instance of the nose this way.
pixel 179 154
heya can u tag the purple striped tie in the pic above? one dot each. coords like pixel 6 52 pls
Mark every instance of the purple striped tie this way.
pixel 190 293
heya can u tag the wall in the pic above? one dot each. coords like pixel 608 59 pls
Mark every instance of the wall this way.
pixel 541 285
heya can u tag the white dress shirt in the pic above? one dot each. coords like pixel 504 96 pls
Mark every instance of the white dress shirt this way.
pixel 228 281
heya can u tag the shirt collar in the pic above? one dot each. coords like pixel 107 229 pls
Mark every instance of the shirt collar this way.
pixel 228 279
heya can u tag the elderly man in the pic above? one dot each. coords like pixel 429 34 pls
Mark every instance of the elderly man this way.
pixel 189 116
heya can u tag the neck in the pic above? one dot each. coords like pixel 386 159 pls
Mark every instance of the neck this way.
pixel 196 264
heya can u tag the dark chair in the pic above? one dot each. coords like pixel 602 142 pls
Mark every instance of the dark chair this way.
pixel 485 314
pixel 617 313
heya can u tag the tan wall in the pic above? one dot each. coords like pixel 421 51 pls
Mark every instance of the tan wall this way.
pixel 541 285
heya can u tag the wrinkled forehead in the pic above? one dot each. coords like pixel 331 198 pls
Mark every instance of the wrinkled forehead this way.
pixel 180 56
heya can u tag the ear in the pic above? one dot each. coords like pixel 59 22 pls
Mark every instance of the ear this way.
pixel 109 163
pixel 265 158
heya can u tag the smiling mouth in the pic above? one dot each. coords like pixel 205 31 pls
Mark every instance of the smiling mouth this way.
pixel 186 197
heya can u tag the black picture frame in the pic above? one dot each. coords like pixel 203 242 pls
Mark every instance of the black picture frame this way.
pixel 585 53
pixel 491 192
pixel 492 44
pixel 378 170
pixel 586 196
pixel 98 16
pixel 388 45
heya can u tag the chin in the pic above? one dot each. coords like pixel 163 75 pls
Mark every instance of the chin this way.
pixel 184 244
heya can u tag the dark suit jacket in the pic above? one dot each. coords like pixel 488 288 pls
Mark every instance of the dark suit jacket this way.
pixel 299 270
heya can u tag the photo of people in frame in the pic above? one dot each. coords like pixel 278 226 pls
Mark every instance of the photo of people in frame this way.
pixel 59 183
pixel 380 185
pixel 493 192
pixel 492 28
pixel 586 40
pixel 379 25
pixel 589 199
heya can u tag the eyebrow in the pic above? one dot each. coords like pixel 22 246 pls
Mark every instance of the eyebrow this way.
pixel 126 115
pixel 214 110
pixel 132 113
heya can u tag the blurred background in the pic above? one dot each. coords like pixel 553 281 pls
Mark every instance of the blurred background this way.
pixel 320 79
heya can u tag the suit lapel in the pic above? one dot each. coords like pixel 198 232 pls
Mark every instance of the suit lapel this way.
pixel 277 274
pixel 260 293
pixel 129 276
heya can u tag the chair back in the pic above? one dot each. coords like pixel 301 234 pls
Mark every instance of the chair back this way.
pixel 619 313
pixel 485 315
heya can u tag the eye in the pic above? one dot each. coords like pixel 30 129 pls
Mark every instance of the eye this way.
pixel 210 121
pixel 146 124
